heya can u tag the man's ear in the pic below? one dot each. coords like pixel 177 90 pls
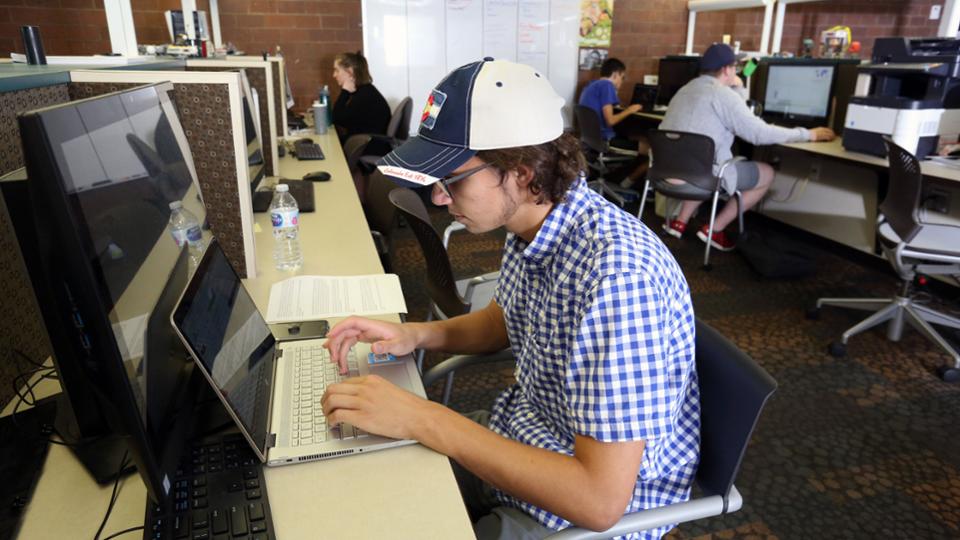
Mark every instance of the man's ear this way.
pixel 524 175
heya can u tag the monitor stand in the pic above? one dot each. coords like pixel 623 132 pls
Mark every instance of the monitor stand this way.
pixel 101 455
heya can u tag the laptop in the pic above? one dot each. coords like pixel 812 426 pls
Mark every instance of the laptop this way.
pixel 272 386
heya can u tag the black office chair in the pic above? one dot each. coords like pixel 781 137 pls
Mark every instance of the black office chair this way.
pixel 687 157
pixel 398 131
pixel 353 149
pixel 382 216
pixel 912 246
pixel 597 151
pixel 733 391
pixel 449 297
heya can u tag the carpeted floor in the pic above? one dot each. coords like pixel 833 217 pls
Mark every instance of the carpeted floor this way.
pixel 864 446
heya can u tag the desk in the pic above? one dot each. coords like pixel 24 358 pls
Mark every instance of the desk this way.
pixel 407 492
pixel 834 149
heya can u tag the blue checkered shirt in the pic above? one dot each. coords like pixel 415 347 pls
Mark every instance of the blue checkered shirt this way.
pixel 600 320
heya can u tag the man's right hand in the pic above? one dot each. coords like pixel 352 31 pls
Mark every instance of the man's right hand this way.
pixel 634 108
pixel 822 134
pixel 386 337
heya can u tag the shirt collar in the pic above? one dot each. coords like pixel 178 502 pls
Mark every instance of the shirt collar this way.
pixel 554 229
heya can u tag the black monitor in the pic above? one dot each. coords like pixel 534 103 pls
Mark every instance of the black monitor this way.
pixel 102 173
pixel 251 131
pixel 644 95
pixel 674 72
pixel 798 93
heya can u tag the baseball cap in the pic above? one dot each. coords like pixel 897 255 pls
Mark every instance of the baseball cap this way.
pixel 717 56
pixel 480 106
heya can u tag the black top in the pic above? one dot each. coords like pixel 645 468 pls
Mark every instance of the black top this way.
pixel 361 111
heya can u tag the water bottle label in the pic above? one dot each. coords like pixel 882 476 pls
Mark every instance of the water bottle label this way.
pixel 191 235
pixel 286 217
pixel 194 235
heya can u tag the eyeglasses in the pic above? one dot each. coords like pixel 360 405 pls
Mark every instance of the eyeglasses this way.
pixel 445 182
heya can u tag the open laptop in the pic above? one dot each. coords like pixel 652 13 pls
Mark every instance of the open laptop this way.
pixel 272 387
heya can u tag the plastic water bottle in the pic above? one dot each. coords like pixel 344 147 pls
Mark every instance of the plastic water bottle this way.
pixel 325 101
pixel 285 216
pixel 185 229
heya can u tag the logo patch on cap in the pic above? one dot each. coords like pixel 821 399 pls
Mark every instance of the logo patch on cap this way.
pixel 434 103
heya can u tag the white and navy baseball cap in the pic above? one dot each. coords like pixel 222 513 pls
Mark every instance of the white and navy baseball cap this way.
pixel 481 106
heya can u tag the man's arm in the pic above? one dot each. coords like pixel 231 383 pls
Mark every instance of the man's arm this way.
pixel 746 125
pixel 590 489
pixel 615 118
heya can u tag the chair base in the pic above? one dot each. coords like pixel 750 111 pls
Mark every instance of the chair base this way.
pixel 606 188
pixel 896 311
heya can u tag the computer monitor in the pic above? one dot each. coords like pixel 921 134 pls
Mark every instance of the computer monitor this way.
pixel 102 173
pixel 251 129
pixel 798 94
pixel 644 95
pixel 673 73
pixel 176 27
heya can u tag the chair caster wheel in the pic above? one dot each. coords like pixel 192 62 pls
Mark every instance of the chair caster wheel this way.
pixel 837 349
pixel 813 314
pixel 948 374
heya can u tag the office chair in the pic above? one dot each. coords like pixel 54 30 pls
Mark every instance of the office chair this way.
pixel 382 216
pixel 448 297
pixel 679 155
pixel 733 392
pixel 398 131
pixel 596 150
pixel 353 149
pixel 912 246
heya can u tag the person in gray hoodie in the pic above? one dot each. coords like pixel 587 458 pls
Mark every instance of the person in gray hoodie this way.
pixel 714 104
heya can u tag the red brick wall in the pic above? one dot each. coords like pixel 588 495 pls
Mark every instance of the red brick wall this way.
pixel 311 32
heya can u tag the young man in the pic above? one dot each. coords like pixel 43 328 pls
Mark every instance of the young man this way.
pixel 714 104
pixel 604 416
pixel 601 96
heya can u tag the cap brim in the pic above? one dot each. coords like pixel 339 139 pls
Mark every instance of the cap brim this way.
pixel 420 162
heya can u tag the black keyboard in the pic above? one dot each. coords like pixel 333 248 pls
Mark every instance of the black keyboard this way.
pixel 308 151
pixel 219 492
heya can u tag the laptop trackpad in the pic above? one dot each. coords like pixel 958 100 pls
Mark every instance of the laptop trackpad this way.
pixel 395 372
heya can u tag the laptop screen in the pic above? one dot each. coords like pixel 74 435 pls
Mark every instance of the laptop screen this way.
pixel 223 328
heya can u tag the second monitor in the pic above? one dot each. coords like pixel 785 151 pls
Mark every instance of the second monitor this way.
pixel 798 93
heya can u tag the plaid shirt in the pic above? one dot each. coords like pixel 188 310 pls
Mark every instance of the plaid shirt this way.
pixel 600 320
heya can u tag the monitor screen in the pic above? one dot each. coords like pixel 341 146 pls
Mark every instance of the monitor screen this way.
pixel 674 72
pixel 798 91
pixel 111 166
pixel 252 132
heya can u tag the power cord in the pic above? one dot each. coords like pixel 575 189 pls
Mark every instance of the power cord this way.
pixel 113 498
pixel 125 531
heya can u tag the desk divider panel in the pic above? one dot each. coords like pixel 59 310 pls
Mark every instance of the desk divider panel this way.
pixel 259 75
pixel 209 108
pixel 278 71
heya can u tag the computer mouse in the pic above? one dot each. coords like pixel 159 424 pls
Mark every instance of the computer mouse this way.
pixel 317 176
pixel 304 140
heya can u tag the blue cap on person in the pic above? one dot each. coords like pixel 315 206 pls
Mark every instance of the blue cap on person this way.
pixel 717 56
pixel 481 106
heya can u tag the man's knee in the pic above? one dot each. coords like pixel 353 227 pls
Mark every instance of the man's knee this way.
pixel 766 174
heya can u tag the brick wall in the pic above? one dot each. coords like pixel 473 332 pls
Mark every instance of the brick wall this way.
pixel 311 32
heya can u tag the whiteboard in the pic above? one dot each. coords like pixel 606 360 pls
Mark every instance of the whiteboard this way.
pixel 411 45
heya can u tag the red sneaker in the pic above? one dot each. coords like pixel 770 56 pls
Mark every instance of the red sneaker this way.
pixel 719 241
pixel 674 227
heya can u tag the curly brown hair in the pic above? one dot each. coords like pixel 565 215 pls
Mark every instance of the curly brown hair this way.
pixel 555 164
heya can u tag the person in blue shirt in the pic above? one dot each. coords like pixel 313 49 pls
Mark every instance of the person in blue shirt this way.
pixel 601 96
pixel 604 416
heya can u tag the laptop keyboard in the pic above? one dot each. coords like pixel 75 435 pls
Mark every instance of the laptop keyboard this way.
pixel 312 372
pixel 219 492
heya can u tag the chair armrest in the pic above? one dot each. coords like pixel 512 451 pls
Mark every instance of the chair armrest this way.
pixel 452 228
pixel 658 517
pixel 454 363
pixel 622 151
pixel 479 280
pixel 728 163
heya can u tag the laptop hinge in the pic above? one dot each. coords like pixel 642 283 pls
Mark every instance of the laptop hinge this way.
pixel 271 440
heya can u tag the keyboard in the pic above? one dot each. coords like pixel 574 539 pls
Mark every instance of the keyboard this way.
pixel 218 492
pixel 308 151
pixel 301 190
pixel 312 372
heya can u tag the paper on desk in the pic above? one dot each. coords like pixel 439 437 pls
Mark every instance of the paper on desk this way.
pixel 308 298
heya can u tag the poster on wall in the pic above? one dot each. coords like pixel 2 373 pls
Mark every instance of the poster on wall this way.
pixel 596 23
pixel 592 58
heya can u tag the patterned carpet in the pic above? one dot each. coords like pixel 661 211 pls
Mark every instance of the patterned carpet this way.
pixel 864 446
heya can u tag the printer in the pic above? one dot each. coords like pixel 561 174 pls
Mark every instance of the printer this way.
pixel 909 91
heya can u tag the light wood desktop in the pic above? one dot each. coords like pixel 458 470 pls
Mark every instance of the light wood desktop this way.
pixel 835 149
pixel 407 492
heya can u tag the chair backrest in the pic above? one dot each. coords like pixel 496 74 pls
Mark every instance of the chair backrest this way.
pixel 381 213
pixel 590 135
pixel 684 156
pixel 733 391
pixel 441 284
pixel 353 148
pixel 901 206
pixel 399 126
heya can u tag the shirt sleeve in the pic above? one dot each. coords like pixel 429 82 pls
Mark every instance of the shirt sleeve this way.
pixel 618 376
pixel 608 95
pixel 733 112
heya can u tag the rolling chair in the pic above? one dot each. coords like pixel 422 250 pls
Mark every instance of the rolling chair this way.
pixel 912 246
pixel 597 151
pixel 689 157
pixel 382 216
pixel 353 149
pixel 448 297
pixel 398 131
pixel 733 392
